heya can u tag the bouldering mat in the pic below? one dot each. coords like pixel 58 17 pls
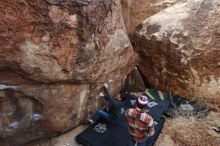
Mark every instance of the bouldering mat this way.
pixel 103 133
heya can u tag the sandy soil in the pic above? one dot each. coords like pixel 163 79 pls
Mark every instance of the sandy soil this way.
pixel 67 139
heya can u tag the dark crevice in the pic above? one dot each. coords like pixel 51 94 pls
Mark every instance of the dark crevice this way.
pixel 146 81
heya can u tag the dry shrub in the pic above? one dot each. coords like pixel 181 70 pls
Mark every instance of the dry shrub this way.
pixel 190 132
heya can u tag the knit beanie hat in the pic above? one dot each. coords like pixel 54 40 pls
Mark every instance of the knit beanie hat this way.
pixel 142 101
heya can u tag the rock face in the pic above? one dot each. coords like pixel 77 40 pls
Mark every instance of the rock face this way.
pixel 179 49
pixel 133 82
pixel 136 11
pixel 54 57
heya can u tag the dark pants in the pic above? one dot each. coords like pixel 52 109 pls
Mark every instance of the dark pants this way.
pixel 101 114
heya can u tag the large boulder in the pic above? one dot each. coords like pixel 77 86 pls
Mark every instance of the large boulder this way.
pixel 136 11
pixel 179 49
pixel 55 55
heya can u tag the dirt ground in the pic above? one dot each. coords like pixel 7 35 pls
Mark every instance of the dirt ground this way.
pixel 67 139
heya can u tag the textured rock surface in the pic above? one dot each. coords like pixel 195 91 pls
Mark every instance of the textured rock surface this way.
pixel 54 57
pixel 136 11
pixel 133 82
pixel 179 49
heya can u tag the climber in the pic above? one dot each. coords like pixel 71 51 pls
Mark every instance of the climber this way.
pixel 140 124
pixel 113 112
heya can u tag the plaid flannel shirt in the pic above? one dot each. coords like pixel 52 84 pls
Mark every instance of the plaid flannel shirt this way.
pixel 140 124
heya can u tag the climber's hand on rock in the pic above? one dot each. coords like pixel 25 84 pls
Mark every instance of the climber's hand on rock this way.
pixel 106 85
pixel 101 94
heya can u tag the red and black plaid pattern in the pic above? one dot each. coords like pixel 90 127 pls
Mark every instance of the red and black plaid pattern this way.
pixel 140 124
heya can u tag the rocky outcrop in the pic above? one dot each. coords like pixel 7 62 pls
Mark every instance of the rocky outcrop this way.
pixel 179 49
pixel 54 57
pixel 136 11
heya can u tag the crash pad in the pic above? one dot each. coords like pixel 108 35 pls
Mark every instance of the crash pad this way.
pixel 104 133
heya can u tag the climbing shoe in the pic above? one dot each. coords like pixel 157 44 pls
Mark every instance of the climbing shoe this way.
pixel 91 121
